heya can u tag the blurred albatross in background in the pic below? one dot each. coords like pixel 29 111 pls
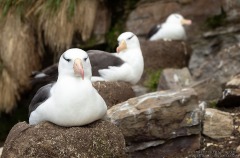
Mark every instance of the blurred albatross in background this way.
pixel 125 65
pixel 171 29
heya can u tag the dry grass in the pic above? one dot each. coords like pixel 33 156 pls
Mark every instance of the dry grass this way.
pixel 24 35
pixel 20 56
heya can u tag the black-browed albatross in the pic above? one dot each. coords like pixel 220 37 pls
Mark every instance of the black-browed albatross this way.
pixel 171 29
pixel 125 65
pixel 71 100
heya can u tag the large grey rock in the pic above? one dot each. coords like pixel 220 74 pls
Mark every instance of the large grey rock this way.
pixel 99 139
pixel 114 92
pixel 155 118
pixel 221 66
pixel 175 79
pixel 217 124
pixel 207 89
pixel 164 54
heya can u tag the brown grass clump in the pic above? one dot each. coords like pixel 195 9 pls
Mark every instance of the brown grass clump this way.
pixel 19 57
pixel 27 27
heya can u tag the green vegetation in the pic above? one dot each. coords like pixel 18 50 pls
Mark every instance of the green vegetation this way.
pixel 217 20
pixel 212 104
pixel 152 79
pixel 120 11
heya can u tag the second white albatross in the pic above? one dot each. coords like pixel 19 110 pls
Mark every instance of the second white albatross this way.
pixel 72 100
pixel 125 65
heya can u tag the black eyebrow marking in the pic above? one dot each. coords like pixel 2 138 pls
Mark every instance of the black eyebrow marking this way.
pixel 68 60
pixel 85 59
pixel 130 37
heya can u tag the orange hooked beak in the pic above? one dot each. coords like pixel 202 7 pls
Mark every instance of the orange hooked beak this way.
pixel 186 22
pixel 78 68
pixel 121 46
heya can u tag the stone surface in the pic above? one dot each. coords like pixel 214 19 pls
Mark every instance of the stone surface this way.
pixel 114 92
pixel 207 89
pixel 164 54
pixel 217 124
pixel 175 79
pixel 172 148
pixel 99 139
pixel 231 94
pixel 238 150
pixel 157 117
pixel 221 66
pixel 1 149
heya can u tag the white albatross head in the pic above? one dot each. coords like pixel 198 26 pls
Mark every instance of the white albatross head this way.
pixel 127 40
pixel 178 19
pixel 75 62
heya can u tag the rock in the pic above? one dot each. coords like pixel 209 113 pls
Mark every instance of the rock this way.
pixel 238 150
pixel 99 139
pixel 175 79
pixel 114 92
pixel 172 148
pixel 222 65
pixel 164 54
pixel 157 117
pixel 231 94
pixel 217 124
pixel 139 90
pixel 1 149
pixel 207 89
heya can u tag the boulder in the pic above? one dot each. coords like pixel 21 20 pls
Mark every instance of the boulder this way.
pixel 114 92
pixel 156 118
pixel 99 139
pixel 186 145
pixel 175 79
pixel 221 66
pixel 164 54
pixel 1 149
pixel 231 94
pixel 217 124
pixel 207 89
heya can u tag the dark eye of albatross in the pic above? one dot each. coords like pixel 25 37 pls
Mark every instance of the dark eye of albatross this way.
pixel 85 59
pixel 130 37
pixel 68 60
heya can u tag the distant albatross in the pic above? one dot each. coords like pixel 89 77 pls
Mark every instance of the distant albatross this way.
pixel 71 100
pixel 171 29
pixel 125 65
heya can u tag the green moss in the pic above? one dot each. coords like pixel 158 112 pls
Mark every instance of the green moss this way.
pixel 152 80
pixel 120 11
pixel 217 20
pixel 212 104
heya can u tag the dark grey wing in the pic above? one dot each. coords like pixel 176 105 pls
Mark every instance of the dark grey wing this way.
pixel 42 95
pixel 101 60
pixel 153 30
pixel 46 76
